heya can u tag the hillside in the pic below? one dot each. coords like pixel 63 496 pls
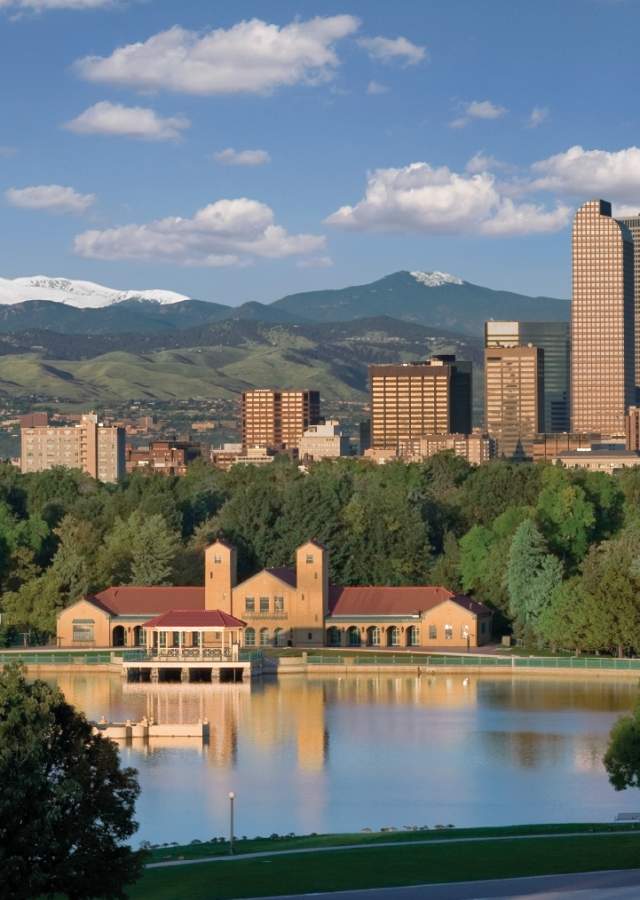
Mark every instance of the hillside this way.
pixel 216 361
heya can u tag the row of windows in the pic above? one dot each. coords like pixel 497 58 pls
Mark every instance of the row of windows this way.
pixel 264 604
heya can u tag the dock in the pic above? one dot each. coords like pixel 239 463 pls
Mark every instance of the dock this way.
pixel 185 666
pixel 147 729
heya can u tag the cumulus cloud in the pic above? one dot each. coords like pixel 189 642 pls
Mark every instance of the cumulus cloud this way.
pixel 54 198
pixel 421 198
pixel 389 50
pixel 537 116
pixel 43 5
pixel 128 121
pixel 224 233
pixel 231 157
pixel 251 57
pixel 483 162
pixel 374 87
pixel 478 109
pixel 614 175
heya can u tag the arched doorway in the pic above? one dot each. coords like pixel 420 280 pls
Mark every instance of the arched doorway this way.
pixel 353 636
pixel 413 636
pixel 119 637
pixel 393 636
pixel 138 636
pixel 373 636
pixel 264 637
pixel 249 637
pixel 278 638
pixel 334 638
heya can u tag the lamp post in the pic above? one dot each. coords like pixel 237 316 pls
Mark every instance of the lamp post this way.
pixel 232 797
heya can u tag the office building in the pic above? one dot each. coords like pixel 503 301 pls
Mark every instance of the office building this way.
pixel 409 400
pixel 90 446
pixel 323 442
pixel 553 338
pixel 476 448
pixel 602 321
pixel 514 398
pixel 610 462
pixel 546 447
pixel 162 457
pixel 633 225
pixel 278 419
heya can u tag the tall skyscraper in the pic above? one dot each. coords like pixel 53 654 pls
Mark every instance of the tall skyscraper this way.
pixel 409 400
pixel 553 338
pixel 277 419
pixel 633 224
pixel 514 398
pixel 98 450
pixel 602 321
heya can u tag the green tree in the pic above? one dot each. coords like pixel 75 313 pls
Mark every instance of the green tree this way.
pixel 566 621
pixel 622 759
pixel 565 516
pixel 446 569
pixel 66 809
pixel 154 548
pixel 533 575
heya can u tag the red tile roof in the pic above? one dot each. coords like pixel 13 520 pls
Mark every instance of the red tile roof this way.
pixel 284 574
pixel 195 618
pixel 132 600
pixel 396 601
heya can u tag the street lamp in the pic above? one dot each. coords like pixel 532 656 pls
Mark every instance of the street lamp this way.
pixel 232 797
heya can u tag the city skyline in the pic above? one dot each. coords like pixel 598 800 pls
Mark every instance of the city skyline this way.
pixel 361 140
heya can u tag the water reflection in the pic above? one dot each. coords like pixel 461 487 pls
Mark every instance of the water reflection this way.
pixel 336 753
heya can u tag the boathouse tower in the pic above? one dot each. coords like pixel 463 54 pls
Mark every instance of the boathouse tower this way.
pixel 220 576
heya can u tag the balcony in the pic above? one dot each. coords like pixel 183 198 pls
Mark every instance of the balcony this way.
pixel 249 614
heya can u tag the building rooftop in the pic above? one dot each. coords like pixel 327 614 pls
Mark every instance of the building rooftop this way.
pixel 195 618
pixel 397 601
pixel 131 600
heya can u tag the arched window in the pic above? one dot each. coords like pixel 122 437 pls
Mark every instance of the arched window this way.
pixel 393 636
pixel 249 637
pixel 138 636
pixel 278 638
pixel 264 637
pixel 413 636
pixel 334 638
pixel 119 636
pixel 373 636
pixel 353 636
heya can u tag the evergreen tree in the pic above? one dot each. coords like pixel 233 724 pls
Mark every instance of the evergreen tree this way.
pixel 533 575
pixel 153 551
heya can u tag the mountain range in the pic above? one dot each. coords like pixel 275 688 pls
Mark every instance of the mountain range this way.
pixel 83 343
pixel 434 299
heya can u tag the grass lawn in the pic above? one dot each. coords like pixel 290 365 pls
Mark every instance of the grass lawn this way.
pixel 261 845
pixel 388 867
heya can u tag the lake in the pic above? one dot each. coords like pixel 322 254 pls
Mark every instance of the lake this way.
pixel 318 754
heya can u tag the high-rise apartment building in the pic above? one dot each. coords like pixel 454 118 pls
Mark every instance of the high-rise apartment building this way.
pixel 602 321
pixel 553 338
pixel 514 398
pixel 410 400
pixel 98 450
pixel 278 419
pixel 633 224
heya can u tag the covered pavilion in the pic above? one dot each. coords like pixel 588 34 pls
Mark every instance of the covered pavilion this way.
pixel 194 635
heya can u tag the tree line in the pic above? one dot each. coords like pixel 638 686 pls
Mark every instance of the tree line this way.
pixel 556 553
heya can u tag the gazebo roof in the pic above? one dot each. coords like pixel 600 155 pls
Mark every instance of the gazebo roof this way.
pixel 188 619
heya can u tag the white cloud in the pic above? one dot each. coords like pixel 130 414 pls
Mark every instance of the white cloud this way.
pixel 614 175
pixel 231 157
pixel 250 57
pixel 420 198
pixel 224 233
pixel 622 211
pixel 388 50
pixel 43 5
pixel 128 121
pixel 52 198
pixel 537 116
pixel 374 87
pixel 478 109
pixel 315 262
pixel 483 162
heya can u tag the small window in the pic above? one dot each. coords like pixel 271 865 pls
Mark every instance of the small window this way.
pixel 448 632
pixel 249 604
pixel 433 633
pixel 309 636
pixel 217 560
pixel 83 632
pixel 309 558
pixel 264 604
pixel 278 604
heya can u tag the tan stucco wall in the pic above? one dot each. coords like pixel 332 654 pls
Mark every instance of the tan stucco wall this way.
pixel 84 610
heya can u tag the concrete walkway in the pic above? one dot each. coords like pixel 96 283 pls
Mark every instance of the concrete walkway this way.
pixel 168 863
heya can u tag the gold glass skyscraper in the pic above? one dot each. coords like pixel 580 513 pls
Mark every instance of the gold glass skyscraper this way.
pixel 602 321
pixel 633 224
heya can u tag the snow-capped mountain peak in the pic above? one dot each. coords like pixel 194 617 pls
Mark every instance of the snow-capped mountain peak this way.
pixel 82 294
pixel 436 279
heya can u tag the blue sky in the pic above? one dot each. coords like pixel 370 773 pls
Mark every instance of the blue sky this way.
pixel 382 136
